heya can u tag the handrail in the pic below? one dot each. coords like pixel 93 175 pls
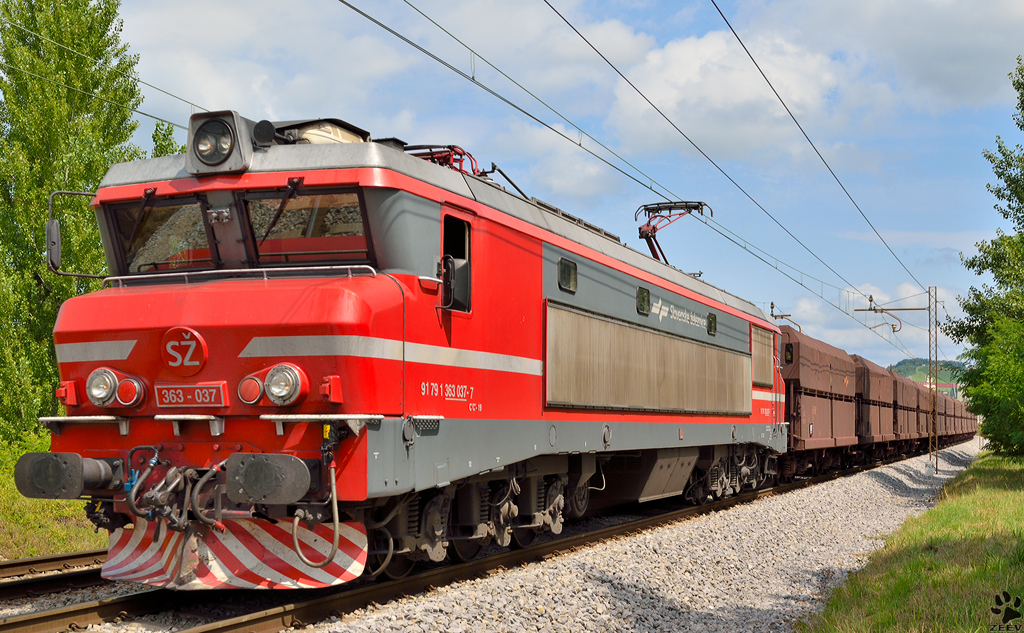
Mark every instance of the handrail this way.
pixel 240 271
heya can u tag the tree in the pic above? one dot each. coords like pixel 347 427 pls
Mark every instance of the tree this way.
pixel 164 143
pixel 68 87
pixel 994 313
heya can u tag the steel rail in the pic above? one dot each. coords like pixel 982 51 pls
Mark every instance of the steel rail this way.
pixel 54 562
pixel 32 586
pixel 81 615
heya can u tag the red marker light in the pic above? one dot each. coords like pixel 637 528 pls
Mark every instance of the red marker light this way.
pixel 250 390
pixel 129 392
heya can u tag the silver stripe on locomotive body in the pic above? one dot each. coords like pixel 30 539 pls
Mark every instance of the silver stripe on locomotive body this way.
pixel 770 397
pixel 94 351
pixel 470 359
pixel 388 349
pixel 338 345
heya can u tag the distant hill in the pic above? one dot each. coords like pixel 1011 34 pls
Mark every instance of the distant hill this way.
pixel 917 369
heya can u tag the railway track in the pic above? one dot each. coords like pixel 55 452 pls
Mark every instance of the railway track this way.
pixel 337 603
pixel 55 562
pixel 30 577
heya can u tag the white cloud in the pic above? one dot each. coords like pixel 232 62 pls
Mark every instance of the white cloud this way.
pixel 942 53
pixel 555 164
pixel 708 87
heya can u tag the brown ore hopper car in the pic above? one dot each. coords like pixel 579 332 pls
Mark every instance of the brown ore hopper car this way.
pixel 819 392
pixel 924 410
pixel 940 406
pixel 906 407
pixel 874 389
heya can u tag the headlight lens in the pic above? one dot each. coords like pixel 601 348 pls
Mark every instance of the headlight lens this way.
pixel 101 387
pixel 213 142
pixel 283 384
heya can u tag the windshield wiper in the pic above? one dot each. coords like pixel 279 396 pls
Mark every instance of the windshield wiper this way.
pixel 293 185
pixel 143 215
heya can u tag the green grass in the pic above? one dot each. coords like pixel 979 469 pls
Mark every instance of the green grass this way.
pixel 34 527
pixel 942 570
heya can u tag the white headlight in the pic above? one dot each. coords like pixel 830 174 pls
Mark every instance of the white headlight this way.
pixel 101 387
pixel 283 384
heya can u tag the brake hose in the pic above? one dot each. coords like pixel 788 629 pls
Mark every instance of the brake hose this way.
pixel 140 482
pixel 299 514
pixel 205 520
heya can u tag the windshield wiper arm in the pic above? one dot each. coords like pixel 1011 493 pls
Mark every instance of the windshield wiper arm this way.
pixel 293 184
pixel 143 215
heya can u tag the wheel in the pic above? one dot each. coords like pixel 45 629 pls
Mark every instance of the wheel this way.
pixel 463 551
pixel 698 491
pixel 522 538
pixel 399 567
pixel 577 501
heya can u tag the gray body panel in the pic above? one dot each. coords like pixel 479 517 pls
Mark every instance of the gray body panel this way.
pixel 395 215
pixel 608 292
pixel 454 449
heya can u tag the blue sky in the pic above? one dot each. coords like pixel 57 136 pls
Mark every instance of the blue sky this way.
pixel 901 99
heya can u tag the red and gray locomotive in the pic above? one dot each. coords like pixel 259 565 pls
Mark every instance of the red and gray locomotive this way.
pixel 319 355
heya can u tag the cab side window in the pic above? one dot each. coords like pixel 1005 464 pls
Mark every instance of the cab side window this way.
pixel 455 264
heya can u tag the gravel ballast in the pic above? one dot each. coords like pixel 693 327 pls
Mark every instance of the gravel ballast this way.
pixel 756 567
pixel 760 566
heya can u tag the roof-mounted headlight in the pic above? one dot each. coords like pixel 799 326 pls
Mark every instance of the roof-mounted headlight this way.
pixel 213 142
pixel 218 143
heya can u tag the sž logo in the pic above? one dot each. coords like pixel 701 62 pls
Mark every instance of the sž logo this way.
pixel 184 351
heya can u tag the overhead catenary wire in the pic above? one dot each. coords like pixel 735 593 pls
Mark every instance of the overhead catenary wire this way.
pixel 729 235
pixel 99 61
pixel 476 55
pixel 813 146
pixel 701 151
pixel 920 294
pixel 94 96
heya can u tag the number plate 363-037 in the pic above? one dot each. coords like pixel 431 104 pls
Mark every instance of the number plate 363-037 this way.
pixel 190 395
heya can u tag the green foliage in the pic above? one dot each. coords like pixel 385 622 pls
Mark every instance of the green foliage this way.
pixel 54 135
pixel 993 313
pixel 36 527
pixel 163 141
pixel 917 369
pixel 941 570
pixel 996 376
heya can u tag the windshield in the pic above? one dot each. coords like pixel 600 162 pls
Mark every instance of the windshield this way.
pixel 309 228
pixel 162 236
pixel 167 235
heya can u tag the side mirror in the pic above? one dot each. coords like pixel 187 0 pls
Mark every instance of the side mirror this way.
pixel 454 284
pixel 53 244
pixel 53 237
